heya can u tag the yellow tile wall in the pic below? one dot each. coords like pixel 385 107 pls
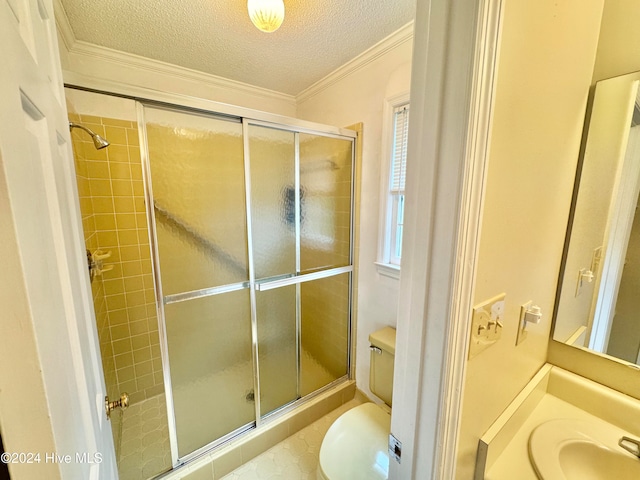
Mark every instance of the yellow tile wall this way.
pixel 114 218
pixel 91 243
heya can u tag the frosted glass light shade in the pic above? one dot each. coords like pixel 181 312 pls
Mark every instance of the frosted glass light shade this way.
pixel 266 15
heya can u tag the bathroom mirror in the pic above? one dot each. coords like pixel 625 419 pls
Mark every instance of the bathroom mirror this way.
pixel 598 302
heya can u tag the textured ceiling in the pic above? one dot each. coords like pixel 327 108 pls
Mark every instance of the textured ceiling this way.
pixel 217 37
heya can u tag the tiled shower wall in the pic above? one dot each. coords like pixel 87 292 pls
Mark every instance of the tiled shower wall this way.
pixel 91 243
pixel 114 220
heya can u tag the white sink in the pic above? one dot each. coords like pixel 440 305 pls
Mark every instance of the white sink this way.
pixel 570 449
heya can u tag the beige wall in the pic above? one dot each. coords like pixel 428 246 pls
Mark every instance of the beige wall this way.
pixel 619 43
pixel 542 84
pixel 360 97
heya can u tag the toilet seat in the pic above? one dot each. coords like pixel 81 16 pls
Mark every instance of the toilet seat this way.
pixel 355 446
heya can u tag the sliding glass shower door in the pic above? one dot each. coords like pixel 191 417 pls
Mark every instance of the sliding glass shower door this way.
pixel 271 174
pixel 198 202
pixel 300 236
pixel 252 232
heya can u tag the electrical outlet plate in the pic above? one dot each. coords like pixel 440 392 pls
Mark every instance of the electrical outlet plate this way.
pixel 395 447
pixel 486 324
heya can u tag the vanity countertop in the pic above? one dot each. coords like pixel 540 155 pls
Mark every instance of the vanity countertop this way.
pixel 514 460
pixel 552 394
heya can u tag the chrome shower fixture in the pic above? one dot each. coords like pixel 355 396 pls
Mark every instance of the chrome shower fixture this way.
pixel 98 141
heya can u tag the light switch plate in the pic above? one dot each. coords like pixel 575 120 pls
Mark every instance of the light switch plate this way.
pixel 486 324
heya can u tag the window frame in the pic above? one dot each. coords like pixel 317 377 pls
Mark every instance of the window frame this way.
pixel 387 263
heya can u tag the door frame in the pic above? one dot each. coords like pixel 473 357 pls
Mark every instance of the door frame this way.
pixel 455 58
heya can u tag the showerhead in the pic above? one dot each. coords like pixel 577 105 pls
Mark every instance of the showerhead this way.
pixel 98 141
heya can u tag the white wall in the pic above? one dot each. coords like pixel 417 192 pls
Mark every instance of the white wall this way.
pixel 543 77
pixel 360 97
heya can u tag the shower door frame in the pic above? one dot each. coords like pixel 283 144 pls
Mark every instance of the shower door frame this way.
pixel 277 123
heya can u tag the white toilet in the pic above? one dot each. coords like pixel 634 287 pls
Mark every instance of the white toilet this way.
pixel 355 446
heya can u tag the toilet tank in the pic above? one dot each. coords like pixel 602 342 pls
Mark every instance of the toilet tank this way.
pixel 383 349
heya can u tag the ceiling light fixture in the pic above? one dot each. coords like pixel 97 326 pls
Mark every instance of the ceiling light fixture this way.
pixel 266 15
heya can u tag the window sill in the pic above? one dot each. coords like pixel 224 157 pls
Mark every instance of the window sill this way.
pixel 388 270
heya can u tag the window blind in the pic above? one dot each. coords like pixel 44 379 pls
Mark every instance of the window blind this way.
pixel 399 153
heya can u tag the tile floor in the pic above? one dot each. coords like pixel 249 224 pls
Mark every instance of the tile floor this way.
pixel 144 449
pixel 295 458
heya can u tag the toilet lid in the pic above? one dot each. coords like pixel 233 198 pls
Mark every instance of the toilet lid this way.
pixel 355 446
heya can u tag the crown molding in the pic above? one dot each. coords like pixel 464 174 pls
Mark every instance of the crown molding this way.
pixel 63 25
pixel 105 54
pixel 403 34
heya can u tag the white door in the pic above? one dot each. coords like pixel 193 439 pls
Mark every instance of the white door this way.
pixel 37 184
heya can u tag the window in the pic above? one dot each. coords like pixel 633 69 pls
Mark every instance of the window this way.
pixel 397 181
pixel 395 167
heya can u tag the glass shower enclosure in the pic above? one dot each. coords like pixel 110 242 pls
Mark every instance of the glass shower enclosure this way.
pixel 251 228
